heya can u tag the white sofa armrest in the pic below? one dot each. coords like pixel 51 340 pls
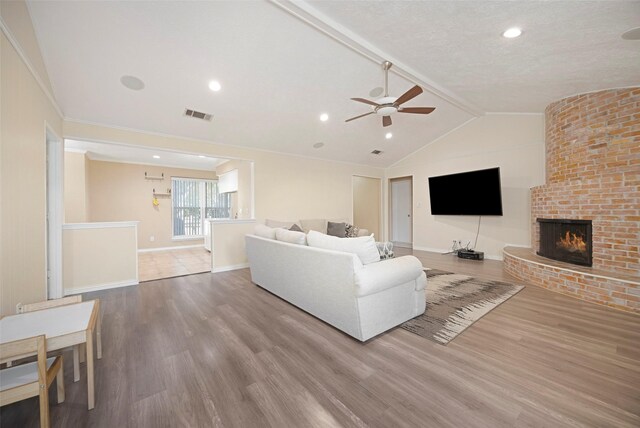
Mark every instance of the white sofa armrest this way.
pixel 376 277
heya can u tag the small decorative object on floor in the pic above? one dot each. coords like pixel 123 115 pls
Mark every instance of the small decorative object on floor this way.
pixel 454 302
pixel 385 249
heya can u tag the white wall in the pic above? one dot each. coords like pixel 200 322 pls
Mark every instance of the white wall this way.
pixel 513 142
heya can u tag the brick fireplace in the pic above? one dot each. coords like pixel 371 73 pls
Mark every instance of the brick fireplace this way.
pixel 566 240
pixel 593 174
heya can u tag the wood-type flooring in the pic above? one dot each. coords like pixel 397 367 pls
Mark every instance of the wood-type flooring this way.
pixel 215 350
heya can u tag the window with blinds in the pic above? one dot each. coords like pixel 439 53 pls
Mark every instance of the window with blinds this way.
pixel 195 200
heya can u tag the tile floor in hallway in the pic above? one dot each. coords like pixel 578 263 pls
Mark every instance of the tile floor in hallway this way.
pixel 169 263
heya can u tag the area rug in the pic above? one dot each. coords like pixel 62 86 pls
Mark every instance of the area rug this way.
pixel 454 302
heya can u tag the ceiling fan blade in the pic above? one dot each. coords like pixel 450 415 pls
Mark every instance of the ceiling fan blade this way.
pixel 410 94
pixel 418 110
pixel 358 117
pixel 362 100
pixel 386 120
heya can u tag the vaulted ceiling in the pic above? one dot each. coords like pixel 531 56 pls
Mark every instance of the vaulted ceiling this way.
pixel 281 64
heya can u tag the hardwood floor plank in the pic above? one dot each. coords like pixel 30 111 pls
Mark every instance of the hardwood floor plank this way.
pixel 215 350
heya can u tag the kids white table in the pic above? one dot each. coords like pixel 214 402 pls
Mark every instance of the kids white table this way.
pixel 63 326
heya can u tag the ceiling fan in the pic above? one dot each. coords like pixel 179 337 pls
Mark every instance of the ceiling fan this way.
pixel 386 106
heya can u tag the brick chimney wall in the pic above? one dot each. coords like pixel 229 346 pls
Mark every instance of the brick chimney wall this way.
pixel 593 173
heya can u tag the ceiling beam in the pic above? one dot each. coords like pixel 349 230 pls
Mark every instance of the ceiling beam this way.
pixel 312 17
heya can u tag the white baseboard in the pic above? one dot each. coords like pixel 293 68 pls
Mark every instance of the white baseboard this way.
pixel 183 247
pixel 442 251
pixel 230 267
pixel 99 287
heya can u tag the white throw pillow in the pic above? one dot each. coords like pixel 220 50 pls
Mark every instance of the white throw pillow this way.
pixel 264 231
pixel 364 246
pixel 291 236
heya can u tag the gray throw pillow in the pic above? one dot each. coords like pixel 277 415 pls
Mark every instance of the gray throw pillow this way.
pixel 296 228
pixel 336 229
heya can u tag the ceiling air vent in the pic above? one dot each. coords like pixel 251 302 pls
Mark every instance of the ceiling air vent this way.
pixel 376 152
pixel 198 115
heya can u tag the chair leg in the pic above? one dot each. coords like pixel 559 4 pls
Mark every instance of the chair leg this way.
pixel 83 352
pixel 76 363
pixel 44 406
pixel 60 383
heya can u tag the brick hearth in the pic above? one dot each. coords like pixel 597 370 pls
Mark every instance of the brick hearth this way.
pixel 593 173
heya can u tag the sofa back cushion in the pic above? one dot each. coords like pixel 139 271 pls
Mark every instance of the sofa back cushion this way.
pixel 364 247
pixel 319 225
pixel 291 236
pixel 276 223
pixel 264 231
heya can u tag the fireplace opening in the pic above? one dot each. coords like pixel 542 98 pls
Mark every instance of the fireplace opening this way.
pixel 566 240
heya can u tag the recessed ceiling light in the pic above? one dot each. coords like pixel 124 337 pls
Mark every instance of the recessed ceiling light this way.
pixel 132 82
pixel 201 156
pixel 324 117
pixel 214 85
pixel 512 33
pixel 318 145
pixel 388 135
pixel 156 157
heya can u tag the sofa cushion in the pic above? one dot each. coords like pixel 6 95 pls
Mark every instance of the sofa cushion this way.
pixel 291 236
pixel 276 223
pixel 364 247
pixel 319 225
pixel 264 231
pixel 337 229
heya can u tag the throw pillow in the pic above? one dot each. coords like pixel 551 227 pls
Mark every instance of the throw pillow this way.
pixel 351 231
pixel 319 225
pixel 364 247
pixel 385 249
pixel 336 229
pixel 296 228
pixel 291 236
pixel 264 231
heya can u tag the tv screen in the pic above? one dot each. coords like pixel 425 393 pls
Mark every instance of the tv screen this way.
pixel 466 193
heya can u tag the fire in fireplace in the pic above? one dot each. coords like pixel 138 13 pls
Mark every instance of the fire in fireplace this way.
pixel 566 240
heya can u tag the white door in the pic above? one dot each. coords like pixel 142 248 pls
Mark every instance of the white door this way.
pixel 401 211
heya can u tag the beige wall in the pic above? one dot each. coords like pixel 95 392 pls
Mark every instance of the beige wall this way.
pixel 286 187
pixel 76 191
pixel 242 200
pixel 367 204
pixel 24 109
pixel 120 192
pixel 228 246
pixel 513 142
pixel 100 256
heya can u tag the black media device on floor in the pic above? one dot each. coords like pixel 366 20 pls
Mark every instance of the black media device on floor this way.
pixel 471 255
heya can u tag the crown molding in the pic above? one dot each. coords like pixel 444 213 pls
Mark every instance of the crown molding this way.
pixel 14 42
pixel 312 17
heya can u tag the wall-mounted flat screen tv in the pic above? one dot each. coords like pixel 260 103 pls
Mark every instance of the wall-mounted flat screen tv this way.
pixel 466 193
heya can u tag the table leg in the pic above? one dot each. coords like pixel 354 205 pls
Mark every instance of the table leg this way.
pixel 90 380
pixel 76 363
pixel 99 336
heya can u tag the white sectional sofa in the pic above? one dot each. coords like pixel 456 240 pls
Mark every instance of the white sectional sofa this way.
pixel 361 300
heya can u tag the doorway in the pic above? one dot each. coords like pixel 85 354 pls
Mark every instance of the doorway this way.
pixel 401 211
pixel 367 203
